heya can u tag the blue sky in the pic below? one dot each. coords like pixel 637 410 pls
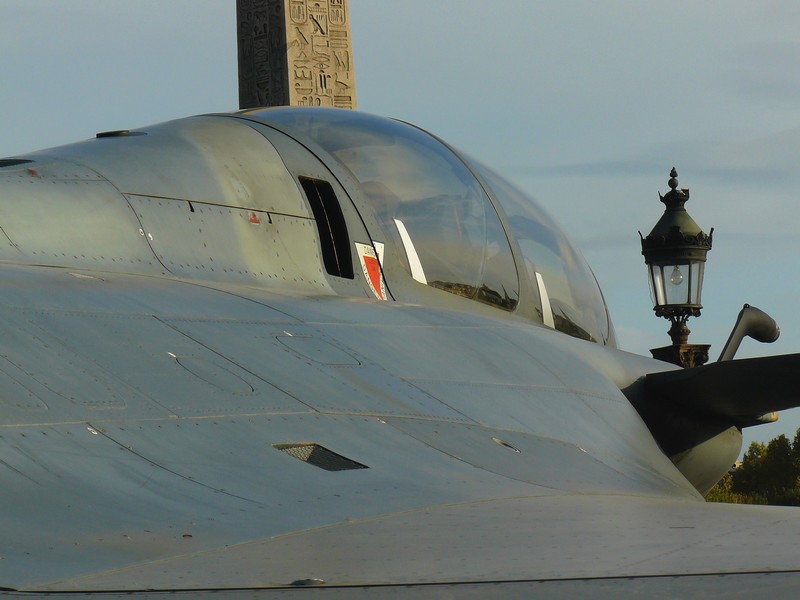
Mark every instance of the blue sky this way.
pixel 585 104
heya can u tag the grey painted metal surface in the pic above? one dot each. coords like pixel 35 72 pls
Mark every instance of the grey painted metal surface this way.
pixel 146 402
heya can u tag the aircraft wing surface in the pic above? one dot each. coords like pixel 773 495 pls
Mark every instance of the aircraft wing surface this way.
pixel 166 435
pixel 763 385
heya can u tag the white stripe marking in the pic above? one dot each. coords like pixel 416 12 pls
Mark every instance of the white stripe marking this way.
pixel 417 271
pixel 547 310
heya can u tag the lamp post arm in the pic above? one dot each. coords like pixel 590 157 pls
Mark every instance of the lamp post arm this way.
pixel 751 322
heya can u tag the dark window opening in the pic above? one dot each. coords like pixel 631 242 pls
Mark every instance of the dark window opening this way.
pixel 334 241
pixel 13 162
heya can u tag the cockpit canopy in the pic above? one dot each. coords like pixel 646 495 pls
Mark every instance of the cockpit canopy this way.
pixel 443 213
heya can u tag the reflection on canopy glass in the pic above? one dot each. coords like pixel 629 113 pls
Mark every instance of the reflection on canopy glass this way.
pixel 577 305
pixel 426 198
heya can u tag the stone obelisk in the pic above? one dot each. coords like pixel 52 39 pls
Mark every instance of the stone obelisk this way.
pixel 295 53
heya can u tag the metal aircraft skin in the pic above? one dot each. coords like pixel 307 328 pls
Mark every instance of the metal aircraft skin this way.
pixel 303 352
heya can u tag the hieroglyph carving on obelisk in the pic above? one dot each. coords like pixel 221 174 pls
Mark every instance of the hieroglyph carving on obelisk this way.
pixel 295 52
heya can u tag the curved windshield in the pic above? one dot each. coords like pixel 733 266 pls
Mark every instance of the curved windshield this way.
pixel 428 201
pixel 565 281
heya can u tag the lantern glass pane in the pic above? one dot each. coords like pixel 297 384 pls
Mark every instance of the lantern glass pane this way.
pixel 676 283
pixel 697 270
pixel 657 293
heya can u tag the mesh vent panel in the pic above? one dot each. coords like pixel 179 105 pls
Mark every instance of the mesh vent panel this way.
pixel 319 456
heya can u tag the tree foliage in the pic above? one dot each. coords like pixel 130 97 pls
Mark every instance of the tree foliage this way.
pixel 769 474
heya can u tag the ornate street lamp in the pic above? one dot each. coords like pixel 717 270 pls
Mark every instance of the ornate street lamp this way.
pixel 675 254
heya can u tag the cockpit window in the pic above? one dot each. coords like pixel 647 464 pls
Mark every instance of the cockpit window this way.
pixel 576 304
pixel 432 205
pixel 441 218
